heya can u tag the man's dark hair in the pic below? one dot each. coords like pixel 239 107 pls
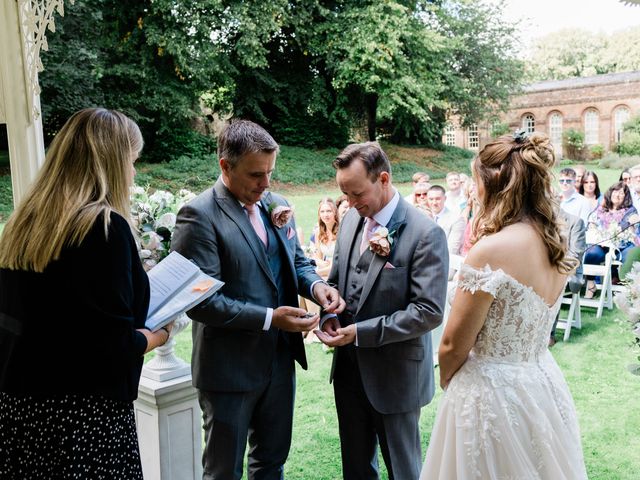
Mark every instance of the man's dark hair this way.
pixel 437 188
pixel 370 154
pixel 568 172
pixel 241 137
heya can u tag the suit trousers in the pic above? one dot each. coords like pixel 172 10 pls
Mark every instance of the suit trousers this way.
pixel 264 416
pixel 361 427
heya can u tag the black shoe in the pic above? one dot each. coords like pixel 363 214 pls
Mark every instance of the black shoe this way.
pixel 552 341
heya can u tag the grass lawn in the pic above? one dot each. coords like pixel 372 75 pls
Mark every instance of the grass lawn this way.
pixel 594 362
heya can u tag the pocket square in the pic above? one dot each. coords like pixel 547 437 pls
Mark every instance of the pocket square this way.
pixel 388 265
pixel 290 233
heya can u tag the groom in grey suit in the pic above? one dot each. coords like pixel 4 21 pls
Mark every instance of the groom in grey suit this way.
pixel 390 265
pixel 247 336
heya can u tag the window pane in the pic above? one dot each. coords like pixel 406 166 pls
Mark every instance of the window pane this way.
pixel 529 123
pixel 621 116
pixel 591 126
pixel 474 139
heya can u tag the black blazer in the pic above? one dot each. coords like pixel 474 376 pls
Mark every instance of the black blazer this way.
pixel 72 328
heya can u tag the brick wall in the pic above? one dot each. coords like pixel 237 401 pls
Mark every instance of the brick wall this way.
pixel 571 99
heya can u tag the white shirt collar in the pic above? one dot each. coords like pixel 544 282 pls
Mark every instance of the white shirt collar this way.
pixel 384 216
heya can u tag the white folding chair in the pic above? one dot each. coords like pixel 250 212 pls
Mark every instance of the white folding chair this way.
pixel 606 295
pixel 573 318
pixel 455 263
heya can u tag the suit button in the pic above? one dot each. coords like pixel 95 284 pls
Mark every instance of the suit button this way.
pixel 353 285
pixel 358 270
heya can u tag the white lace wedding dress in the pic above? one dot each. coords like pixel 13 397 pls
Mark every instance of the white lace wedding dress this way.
pixel 507 413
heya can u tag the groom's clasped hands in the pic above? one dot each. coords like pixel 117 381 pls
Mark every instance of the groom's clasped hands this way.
pixel 293 319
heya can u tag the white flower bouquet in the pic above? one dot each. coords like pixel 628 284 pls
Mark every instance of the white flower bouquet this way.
pixel 154 217
pixel 628 301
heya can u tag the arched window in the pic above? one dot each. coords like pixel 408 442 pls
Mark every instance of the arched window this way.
pixel 591 127
pixel 620 117
pixel 529 123
pixel 474 139
pixel 555 132
pixel 449 135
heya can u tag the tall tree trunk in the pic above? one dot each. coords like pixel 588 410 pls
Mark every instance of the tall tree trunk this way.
pixel 371 101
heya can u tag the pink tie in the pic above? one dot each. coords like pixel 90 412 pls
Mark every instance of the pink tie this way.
pixel 257 223
pixel 369 226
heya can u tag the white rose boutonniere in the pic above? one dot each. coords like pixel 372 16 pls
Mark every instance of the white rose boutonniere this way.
pixel 280 214
pixel 381 241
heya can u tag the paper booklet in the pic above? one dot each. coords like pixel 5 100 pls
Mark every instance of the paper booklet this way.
pixel 177 284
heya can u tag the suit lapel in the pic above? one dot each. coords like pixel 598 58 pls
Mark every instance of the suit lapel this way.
pixel 377 262
pixel 232 208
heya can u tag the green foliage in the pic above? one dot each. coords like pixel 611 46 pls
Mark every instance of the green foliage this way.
pixel 6 198
pixel 305 167
pixel 498 129
pixel 577 52
pixel 573 142
pixel 150 59
pixel 619 162
pixel 596 151
pixel 289 65
pixel 632 256
pixel 630 142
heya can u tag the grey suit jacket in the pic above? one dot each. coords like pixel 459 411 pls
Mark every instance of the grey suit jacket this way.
pixel 231 351
pixel 397 308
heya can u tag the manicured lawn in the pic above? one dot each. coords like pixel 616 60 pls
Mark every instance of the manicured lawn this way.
pixel 594 362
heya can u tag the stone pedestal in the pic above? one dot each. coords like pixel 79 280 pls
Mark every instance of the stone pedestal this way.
pixel 169 420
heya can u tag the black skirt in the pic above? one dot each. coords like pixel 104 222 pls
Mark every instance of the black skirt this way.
pixel 67 437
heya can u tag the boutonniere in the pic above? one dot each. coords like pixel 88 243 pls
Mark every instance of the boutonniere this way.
pixel 381 241
pixel 280 214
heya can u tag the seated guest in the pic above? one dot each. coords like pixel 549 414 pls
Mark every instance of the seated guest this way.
pixel 456 200
pixel 342 204
pixel 625 176
pixel 416 178
pixel 634 186
pixel 614 224
pixel 580 170
pixel 590 189
pixel 452 223
pixel 73 305
pixel 571 201
pixel 420 197
pixel 325 241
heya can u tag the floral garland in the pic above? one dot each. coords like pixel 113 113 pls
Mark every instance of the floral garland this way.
pixel 154 217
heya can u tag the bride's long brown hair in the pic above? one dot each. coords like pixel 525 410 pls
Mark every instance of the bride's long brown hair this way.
pixel 516 177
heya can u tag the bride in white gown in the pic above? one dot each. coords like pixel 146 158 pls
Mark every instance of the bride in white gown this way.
pixel 507 412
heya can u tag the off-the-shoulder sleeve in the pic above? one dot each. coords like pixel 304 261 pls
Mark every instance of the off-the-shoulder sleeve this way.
pixel 472 279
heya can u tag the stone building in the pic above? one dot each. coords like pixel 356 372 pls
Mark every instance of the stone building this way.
pixel 598 106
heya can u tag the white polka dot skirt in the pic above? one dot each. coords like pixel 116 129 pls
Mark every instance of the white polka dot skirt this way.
pixel 67 437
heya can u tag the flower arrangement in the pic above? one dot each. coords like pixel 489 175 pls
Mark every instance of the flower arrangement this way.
pixel 628 301
pixel 154 217
pixel 612 235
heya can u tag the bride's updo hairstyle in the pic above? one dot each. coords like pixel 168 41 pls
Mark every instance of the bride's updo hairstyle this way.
pixel 515 171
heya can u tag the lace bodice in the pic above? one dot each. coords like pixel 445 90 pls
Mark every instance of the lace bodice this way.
pixel 519 321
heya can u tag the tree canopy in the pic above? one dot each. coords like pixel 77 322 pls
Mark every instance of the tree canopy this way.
pixel 579 53
pixel 311 71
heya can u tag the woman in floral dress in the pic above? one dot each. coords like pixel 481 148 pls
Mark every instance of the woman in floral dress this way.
pixel 614 224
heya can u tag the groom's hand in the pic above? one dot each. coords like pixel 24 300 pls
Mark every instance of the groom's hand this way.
pixel 333 335
pixel 292 319
pixel 328 298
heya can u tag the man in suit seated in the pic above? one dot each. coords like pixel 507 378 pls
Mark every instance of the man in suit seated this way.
pixel 451 222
